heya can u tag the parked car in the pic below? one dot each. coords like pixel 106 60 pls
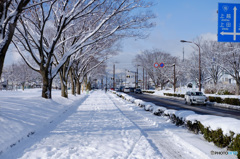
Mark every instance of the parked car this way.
pixel 121 88
pixel 138 90
pixel 131 89
pixel 195 97
pixel 126 90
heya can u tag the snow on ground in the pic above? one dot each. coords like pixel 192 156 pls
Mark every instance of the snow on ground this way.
pixel 98 125
pixel 24 112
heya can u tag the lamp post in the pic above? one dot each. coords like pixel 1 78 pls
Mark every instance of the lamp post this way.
pixel 174 80
pixel 199 61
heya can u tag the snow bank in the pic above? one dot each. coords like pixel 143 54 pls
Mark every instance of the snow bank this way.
pixel 22 113
pixel 170 112
pixel 138 102
pixel 182 114
pixel 215 122
pixel 226 106
pixel 157 110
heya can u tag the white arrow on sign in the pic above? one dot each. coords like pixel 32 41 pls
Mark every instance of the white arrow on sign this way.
pixel 235 26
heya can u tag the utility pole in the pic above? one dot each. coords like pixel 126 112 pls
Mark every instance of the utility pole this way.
pixel 174 80
pixel 137 77
pixel 125 77
pixel 113 76
pixel 135 80
pixel 106 80
pixel 147 80
pixel 143 79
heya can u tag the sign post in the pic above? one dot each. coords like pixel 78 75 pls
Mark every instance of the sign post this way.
pixel 228 22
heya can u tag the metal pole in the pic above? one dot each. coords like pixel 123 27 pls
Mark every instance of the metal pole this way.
pixel 199 60
pixel 174 80
pixel 113 76
pixel 147 80
pixel 106 81
pixel 200 78
pixel 143 79
pixel 135 80
pixel 137 76
pixel 125 77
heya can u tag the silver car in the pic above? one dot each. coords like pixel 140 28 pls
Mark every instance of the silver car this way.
pixel 126 90
pixel 195 97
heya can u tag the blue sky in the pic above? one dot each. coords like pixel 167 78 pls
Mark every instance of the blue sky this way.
pixel 176 20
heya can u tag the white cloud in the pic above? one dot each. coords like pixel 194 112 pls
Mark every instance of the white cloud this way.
pixel 209 36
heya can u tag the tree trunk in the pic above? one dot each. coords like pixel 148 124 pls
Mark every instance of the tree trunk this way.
pixel 4 48
pixel 23 86
pixel 78 86
pixel 63 79
pixel 47 85
pixel 73 84
pixel 64 90
pixel 237 89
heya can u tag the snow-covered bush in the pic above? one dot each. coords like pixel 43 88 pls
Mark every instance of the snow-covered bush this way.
pixel 169 112
pixel 231 101
pixel 138 102
pixel 147 91
pixel 174 95
pixel 221 89
pixel 158 110
pixel 149 106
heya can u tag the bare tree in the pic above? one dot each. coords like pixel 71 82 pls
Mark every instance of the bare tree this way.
pixel 20 74
pixel 230 62
pixel 10 11
pixel 159 76
pixel 106 18
pixel 210 60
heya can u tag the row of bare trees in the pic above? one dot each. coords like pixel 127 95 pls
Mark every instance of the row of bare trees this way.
pixel 217 59
pixel 69 38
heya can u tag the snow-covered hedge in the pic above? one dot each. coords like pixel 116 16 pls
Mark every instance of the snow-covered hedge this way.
pixel 223 134
pixel 147 91
pixel 222 131
pixel 231 101
pixel 174 95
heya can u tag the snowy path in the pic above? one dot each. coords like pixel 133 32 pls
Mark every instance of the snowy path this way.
pixel 105 127
pixel 157 136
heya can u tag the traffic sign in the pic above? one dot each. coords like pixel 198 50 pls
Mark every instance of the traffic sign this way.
pixel 161 65
pixel 228 22
pixel 156 65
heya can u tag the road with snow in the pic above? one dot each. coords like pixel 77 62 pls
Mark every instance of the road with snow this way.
pixel 180 105
pixel 104 126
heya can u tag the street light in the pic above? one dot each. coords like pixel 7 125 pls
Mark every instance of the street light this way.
pixel 199 61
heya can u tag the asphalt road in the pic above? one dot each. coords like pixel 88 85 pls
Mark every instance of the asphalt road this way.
pixel 178 104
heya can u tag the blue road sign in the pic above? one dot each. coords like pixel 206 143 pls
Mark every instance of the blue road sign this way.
pixel 228 22
pixel 161 65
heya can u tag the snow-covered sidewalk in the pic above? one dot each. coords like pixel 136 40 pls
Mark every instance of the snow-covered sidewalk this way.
pixel 104 126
